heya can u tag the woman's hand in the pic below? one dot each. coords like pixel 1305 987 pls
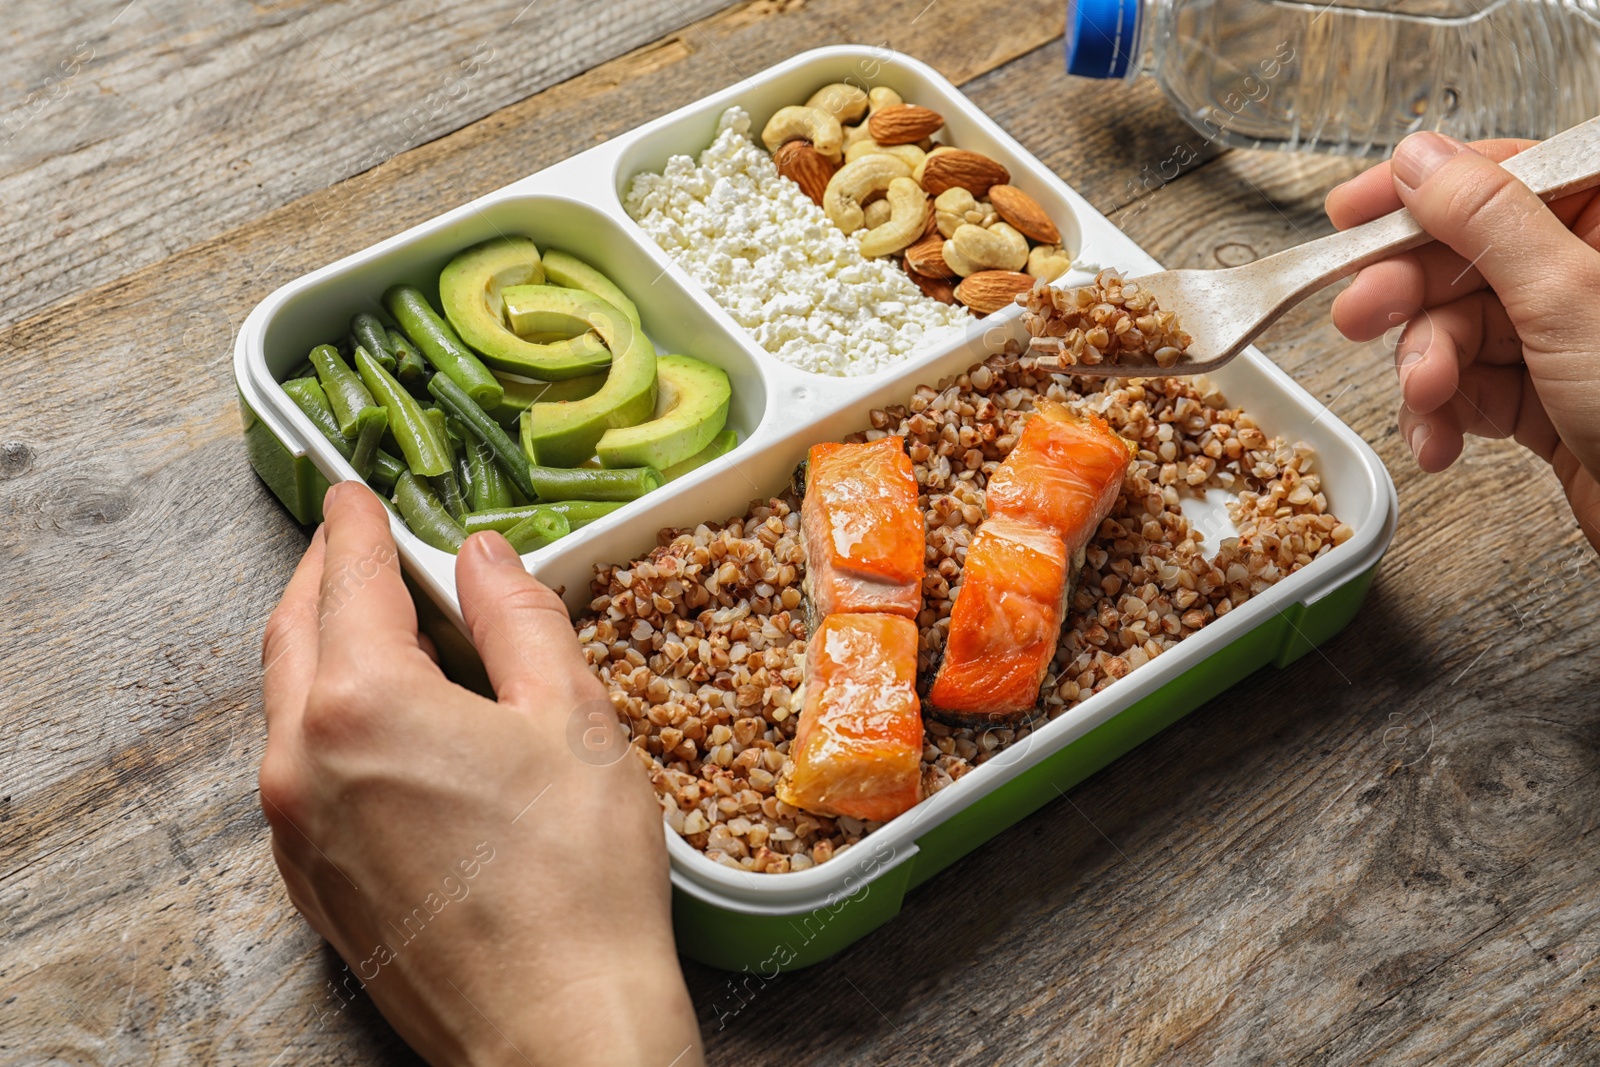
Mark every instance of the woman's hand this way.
pixel 1501 318
pixel 502 899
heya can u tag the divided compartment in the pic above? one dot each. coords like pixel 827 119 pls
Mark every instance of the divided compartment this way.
pixel 675 321
pixel 692 129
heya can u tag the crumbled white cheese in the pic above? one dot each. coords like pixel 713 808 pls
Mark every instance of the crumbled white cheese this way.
pixel 779 266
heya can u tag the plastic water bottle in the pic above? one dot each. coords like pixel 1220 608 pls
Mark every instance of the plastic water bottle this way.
pixel 1351 76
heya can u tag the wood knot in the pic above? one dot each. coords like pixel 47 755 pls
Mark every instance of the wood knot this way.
pixel 1235 254
pixel 16 459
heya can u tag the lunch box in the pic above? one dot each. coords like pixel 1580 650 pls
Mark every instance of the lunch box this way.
pixel 769 922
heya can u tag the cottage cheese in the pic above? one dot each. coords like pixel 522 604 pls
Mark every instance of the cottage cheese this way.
pixel 779 266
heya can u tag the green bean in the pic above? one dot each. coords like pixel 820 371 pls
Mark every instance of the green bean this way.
pixel 579 513
pixel 590 483
pixel 366 331
pixel 308 396
pixel 538 530
pixel 446 484
pixel 372 423
pixel 346 395
pixel 425 454
pixel 306 370
pixel 440 421
pixel 410 366
pixel 491 487
pixel 386 470
pixel 455 400
pixel 462 444
pixel 440 344
pixel 486 483
pixel 425 516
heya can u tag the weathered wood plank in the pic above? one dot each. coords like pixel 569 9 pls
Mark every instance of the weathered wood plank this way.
pixel 132 130
pixel 1304 871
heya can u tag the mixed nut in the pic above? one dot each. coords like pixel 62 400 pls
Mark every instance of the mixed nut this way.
pixel 962 232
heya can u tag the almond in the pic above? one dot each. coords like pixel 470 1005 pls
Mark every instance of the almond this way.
pixel 903 124
pixel 926 257
pixel 971 171
pixel 990 290
pixel 1024 213
pixel 938 288
pixel 806 167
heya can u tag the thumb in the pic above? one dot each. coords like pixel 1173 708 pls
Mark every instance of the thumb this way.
pixel 520 627
pixel 1530 259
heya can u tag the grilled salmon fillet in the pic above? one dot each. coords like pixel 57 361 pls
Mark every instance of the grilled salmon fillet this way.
pixel 857 750
pixel 1064 474
pixel 1005 622
pixel 1045 501
pixel 863 531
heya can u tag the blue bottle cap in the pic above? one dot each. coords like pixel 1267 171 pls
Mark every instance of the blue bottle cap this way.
pixel 1102 37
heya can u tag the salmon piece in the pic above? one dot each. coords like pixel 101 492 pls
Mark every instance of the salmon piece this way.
pixel 1045 502
pixel 1004 625
pixel 864 538
pixel 1064 474
pixel 857 750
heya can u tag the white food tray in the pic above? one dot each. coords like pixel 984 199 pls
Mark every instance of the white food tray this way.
pixel 778 410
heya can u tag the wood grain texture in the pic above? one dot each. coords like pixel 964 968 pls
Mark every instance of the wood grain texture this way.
pixel 132 130
pixel 1382 854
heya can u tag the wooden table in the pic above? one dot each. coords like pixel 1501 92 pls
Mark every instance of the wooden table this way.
pixel 1380 855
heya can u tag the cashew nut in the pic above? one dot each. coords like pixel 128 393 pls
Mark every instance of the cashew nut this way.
pixel 983 215
pixel 847 103
pixel 883 97
pixel 908 213
pixel 935 150
pixel 795 123
pixel 875 213
pixel 950 208
pixel 878 98
pixel 1048 262
pixel 909 154
pixel 973 248
pixel 852 183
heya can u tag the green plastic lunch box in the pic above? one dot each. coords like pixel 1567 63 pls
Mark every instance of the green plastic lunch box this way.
pixel 765 923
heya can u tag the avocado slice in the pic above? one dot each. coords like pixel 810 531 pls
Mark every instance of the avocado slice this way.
pixel 691 408
pixel 720 446
pixel 564 268
pixel 472 289
pixel 521 392
pixel 564 433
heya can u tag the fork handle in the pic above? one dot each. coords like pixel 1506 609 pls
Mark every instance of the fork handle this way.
pixel 1567 163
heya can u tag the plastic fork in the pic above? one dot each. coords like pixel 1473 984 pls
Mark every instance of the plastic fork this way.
pixel 1224 310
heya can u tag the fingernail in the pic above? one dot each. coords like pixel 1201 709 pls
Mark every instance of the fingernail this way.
pixel 335 491
pixel 1419 437
pixel 1420 155
pixel 496 549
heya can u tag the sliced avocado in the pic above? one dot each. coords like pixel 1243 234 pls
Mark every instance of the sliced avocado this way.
pixel 564 268
pixel 691 408
pixel 720 446
pixel 544 310
pixel 521 392
pixel 564 433
pixel 472 290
